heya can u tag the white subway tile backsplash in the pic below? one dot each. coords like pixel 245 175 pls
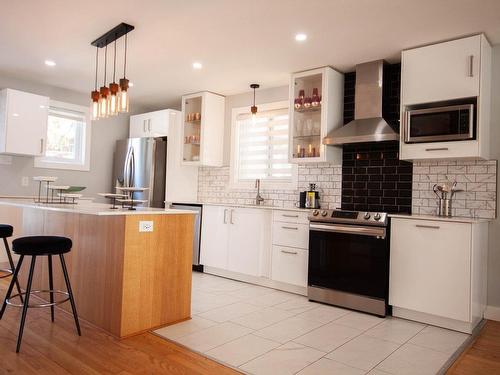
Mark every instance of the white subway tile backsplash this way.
pixel 478 179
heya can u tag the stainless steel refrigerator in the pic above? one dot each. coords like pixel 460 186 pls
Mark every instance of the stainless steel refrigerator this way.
pixel 141 162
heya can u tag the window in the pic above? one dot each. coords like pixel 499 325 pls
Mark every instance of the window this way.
pixel 68 138
pixel 260 147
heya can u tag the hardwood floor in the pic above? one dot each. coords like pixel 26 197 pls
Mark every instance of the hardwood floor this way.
pixel 483 355
pixel 55 348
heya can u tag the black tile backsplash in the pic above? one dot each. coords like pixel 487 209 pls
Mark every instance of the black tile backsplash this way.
pixel 374 179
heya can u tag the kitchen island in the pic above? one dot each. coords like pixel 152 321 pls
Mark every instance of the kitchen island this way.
pixel 130 270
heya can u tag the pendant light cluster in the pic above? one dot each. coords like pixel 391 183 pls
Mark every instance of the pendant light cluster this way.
pixel 109 101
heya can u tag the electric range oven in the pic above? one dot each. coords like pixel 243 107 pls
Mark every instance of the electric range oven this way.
pixel 349 260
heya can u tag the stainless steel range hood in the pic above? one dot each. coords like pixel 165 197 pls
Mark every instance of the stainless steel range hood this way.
pixel 368 124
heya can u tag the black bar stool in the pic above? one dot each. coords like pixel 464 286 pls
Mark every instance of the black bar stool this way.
pixel 6 232
pixel 40 246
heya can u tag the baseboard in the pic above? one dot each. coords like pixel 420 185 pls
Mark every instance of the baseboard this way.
pixel 492 313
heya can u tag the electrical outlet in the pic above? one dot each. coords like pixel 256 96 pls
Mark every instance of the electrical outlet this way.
pixel 145 226
pixel 25 181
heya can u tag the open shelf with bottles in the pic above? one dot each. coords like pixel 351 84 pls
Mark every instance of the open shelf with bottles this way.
pixel 316 107
pixel 202 129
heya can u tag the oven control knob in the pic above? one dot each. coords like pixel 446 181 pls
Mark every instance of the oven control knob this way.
pixel 315 213
pixel 377 216
pixel 367 215
pixel 324 213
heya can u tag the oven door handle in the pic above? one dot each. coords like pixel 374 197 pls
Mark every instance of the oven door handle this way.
pixel 348 229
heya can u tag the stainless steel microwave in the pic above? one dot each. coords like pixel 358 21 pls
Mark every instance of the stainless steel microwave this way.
pixel 440 124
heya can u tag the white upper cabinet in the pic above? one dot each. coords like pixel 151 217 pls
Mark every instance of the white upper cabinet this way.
pixel 441 72
pixel 203 129
pixel 316 108
pixel 23 122
pixel 152 124
pixel 441 75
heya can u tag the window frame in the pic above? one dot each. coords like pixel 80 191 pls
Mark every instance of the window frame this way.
pixel 235 182
pixel 49 163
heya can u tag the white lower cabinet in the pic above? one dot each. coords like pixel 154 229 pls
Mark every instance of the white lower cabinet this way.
pixel 289 265
pixel 214 237
pixel 236 239
pixel 249 240
pixel 258 245
pixel 438 272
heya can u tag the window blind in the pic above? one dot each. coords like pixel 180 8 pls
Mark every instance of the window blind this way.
pixel 263 146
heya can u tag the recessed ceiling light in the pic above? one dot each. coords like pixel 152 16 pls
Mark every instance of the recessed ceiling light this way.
pixel 15 114
pixel 50 63
pixel 131 84
pixel 300 37
pixel 197 65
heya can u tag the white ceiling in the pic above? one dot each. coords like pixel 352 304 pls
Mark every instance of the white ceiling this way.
pixel 238 41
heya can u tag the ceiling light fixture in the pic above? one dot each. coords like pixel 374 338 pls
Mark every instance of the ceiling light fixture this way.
pixel 253 108
pixel 50 63
pixel 108 101
pixel 197 65
pixel 300 37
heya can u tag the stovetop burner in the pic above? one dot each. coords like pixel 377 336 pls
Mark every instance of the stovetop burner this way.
pixel 349 217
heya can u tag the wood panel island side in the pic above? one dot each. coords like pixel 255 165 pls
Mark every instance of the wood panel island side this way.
pixel 125 281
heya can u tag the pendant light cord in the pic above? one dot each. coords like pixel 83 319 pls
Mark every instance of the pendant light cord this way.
pixel 125 59
pixel 114 65
pixel 254 97
pixel 105 62
pixel 96 65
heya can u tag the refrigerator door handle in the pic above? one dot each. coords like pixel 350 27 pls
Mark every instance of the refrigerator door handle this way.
pixel 131 180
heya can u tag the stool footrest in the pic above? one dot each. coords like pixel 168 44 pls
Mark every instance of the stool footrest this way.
pixel 48 304
pixel 8 272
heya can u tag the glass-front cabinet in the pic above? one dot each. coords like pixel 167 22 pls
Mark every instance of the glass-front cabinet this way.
pixel 202 129
pixel 316 107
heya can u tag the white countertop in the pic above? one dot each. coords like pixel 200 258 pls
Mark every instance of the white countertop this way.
pixel 453 219
pixel 90 208
pixel 262 207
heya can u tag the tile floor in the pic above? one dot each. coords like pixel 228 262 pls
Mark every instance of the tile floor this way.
pixel 259 330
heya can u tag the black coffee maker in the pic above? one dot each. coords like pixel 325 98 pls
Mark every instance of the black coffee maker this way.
pixel 309 198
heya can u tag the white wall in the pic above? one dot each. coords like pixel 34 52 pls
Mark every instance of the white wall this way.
pixel 104 134
pixel 494 246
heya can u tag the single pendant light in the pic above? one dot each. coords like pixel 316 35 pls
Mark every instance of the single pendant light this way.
pixel 253 109
pixel 94 95
pixel 104 91
pixel 123 98
pixel 113 91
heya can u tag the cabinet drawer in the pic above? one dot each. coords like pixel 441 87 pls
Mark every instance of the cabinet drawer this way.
pixel 430 267
pixel 288 234
pixel 291 217
pixel 440 150
pixel 289 265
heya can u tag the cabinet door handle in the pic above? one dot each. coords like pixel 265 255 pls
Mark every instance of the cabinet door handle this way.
pixel 231 216
pixel 427 226
pixel 225 214
pixel 287 215
pixel 149 124
pixel 144 126
pixel 471 66
pixel 289 252
pixel 291 228
pixel 437 149
pixel 41 145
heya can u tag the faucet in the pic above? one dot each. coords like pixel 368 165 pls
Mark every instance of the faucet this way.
pixel 258 198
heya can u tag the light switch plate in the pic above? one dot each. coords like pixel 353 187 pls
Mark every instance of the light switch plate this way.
pixel 25 181
pixel 145 226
